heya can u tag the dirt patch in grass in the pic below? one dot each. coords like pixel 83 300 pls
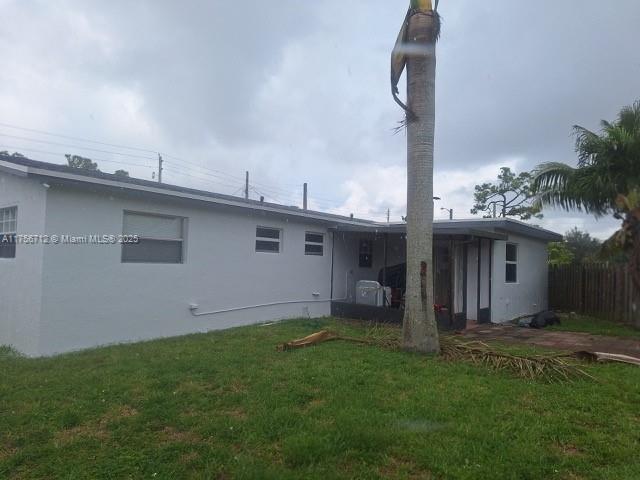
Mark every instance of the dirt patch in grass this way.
pixel 568 449
pixel 236 413
pixel 173 435
pixel 6 452
pixel 96 429
pixel 315 403
pixel 403 468
pixel 87 430
pixel 236 387
pixel 189 458
pixel 572 476
pixel 192 386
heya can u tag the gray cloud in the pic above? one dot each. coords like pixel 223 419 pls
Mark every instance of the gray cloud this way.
pixel 298 91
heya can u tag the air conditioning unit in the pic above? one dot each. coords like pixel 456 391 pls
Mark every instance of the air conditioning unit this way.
pixel 370 292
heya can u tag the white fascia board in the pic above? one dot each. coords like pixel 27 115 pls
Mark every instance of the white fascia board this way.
pixel 14 169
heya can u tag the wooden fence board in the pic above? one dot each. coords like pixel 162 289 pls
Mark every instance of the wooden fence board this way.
pixel 594 289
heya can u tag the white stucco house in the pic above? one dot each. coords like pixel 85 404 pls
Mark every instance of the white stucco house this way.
pixel 89 258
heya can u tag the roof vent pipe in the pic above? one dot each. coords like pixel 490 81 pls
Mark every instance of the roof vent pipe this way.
pixel 304 196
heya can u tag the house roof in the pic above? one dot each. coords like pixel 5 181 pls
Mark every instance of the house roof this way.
pixel 65 175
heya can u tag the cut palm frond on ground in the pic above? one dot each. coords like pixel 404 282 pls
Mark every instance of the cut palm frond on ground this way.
pixel 555 367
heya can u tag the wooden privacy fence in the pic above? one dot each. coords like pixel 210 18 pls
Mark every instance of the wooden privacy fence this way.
pixel 595 289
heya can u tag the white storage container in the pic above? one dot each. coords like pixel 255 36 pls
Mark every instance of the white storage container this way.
pixel 370 292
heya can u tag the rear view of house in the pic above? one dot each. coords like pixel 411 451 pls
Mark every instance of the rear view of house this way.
pixel 90 258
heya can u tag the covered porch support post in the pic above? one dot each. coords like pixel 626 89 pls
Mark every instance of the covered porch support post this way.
pixel 384 271
pixel 452 282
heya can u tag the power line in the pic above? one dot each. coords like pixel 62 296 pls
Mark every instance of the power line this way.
pixel 175 172
pixel 79 147
pixel 68 137
pixel 220 172
pixel 274 190
pixel 48 152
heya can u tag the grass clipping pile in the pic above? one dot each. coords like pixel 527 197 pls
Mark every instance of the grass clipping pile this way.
pixel 552 368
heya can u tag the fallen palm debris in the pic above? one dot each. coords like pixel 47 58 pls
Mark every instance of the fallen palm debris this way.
pixel 607 357
pixel 555 367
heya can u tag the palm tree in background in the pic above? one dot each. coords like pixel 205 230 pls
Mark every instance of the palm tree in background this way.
pixel 416 49
pixel 605 182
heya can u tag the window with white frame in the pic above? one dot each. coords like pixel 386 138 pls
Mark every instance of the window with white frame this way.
pixel 8 228
pixel 511 265
pixel 314 243
pixel 160 238
pixel 268 239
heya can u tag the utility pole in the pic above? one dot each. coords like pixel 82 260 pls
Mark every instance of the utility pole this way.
pixel 304 196
pixel 388 214
pixel 159 168
pixel 246 185
pixel 450 210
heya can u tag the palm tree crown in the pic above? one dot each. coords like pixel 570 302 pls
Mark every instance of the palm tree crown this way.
pixel 608 165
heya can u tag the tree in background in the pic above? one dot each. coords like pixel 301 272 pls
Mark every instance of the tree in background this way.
pixel 583 246
pixel 511 196
pixel 121 173
pixel 559 254
pixel 605 182
pixel 14 154
pixel 415 48
pixel 76 161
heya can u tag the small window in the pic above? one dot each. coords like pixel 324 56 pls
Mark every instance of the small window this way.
pixel 268 240
pixel 511 268
pixel 8 228
pixel 161 238
pixel 365 254
pixel 314 244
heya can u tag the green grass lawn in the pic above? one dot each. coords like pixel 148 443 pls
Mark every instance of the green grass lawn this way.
pixel 228 405
pixel 596 326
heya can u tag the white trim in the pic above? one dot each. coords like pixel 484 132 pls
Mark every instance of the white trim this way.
pixel 269 240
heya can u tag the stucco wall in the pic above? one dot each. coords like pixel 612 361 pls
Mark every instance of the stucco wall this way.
pixel 21 277
pixel 529 293
pixel 91 298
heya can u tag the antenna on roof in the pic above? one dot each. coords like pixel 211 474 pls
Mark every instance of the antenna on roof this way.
pixel 304 196
pixel 159 168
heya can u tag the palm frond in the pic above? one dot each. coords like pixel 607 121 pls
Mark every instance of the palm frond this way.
pixel 552 368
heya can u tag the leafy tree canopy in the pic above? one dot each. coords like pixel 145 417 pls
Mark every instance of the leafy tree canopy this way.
pixel 14 154
pixel 582 245
pixel 121 173
pixel 510 196
pixel 559 254
pixel 83 163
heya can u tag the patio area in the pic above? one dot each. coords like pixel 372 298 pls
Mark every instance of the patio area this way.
pixel 556 340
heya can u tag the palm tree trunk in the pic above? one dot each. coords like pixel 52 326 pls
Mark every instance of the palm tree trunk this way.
pixel 420 331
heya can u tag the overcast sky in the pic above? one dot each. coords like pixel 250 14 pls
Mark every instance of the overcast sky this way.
pixel 299 92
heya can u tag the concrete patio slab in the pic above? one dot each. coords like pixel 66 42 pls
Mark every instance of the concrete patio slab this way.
pixel 570 341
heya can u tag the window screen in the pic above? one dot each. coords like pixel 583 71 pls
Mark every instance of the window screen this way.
pixel 511 265
pixel 268 239
pixel 8 228
pixel 314 244
pixel 161 238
